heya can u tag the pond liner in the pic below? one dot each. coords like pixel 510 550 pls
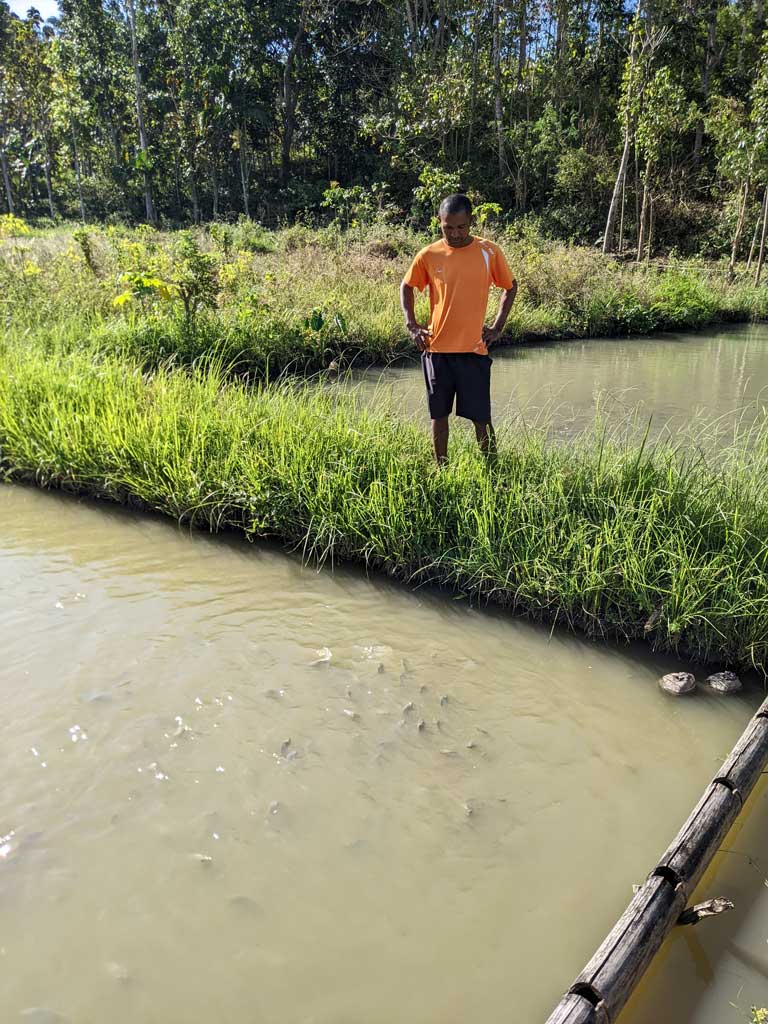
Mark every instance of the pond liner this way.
pixel 599 993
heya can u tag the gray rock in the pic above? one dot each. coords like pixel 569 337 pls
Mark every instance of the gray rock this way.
pixel 678 683
pixel 724 682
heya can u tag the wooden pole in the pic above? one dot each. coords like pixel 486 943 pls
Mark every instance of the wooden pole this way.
pixel 599 993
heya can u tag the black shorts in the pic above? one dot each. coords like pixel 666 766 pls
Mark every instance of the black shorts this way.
pixel 464 376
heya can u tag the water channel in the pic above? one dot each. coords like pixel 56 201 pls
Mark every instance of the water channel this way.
pixel 218 803
pixel 717 377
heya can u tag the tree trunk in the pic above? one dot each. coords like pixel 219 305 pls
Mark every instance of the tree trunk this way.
pixel 473 87
pixel 7 181
pixel 290 98
pixel 710 62
pixel 651 226
pixel 48 184
pixel 498 107
pixel 643 233
pixel 618 190
pixel 77 170
pixel 621 221
pixel 619 184
pixel 116 145
pixel 522 57
pixel 761 254
pixel 149 204
pixel 214 191
pixel 561 38
pixel 739 229
pixel 245 172
pixel 193 190
pixel 760 218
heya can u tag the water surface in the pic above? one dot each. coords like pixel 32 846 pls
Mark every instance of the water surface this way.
pixel 217 803
pixel 718 375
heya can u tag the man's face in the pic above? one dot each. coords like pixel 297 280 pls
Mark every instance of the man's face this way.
pixel 455 228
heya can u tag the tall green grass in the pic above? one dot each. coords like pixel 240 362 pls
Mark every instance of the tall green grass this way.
pixel 619 538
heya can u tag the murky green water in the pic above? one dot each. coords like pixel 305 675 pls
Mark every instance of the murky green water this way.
pixel 719 377
pixel 218 805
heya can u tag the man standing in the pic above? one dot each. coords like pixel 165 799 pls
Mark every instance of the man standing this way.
pixel 459 270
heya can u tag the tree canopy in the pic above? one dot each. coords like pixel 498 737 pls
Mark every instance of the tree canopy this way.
pixel 556 110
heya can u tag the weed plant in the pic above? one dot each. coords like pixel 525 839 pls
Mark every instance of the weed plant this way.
pixel 612 535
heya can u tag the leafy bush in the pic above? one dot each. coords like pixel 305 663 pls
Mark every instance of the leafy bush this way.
pixel 358 205
pixel 13 227
pixel 683 301
pixel 251 236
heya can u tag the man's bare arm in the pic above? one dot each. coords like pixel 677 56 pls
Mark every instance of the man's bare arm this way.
pixel 491 334
pixel 419 334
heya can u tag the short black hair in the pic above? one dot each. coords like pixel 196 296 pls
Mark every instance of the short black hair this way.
pixel 456 203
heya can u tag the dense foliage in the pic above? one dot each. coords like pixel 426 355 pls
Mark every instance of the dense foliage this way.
pixel 651 118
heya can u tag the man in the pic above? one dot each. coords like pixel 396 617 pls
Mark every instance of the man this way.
pixel 459 270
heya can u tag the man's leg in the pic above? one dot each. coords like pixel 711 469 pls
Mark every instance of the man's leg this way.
pixel 486 438
pixel 440 439
pixel 441 391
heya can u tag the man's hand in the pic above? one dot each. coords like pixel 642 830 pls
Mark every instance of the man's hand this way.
pixel 491 335
pixel 419 334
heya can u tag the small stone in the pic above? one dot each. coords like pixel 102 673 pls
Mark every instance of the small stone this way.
pixel 380 669
pixel 408 707
pixel 678 683
pixel 285 746
pixel 449 753
pixel 724 682
pixel 274 807
pixel 444 700
pixel 469 808
pixel 422 725
pixel 471 745
pixel 423 688
pixel 203 858
pixel 351 714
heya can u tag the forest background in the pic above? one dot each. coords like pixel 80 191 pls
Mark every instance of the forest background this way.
pixel 601 122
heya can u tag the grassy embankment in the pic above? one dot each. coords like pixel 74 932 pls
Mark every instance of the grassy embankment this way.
pixel 299 299
pixel 620 540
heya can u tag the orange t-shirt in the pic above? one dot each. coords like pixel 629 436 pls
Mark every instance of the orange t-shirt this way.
pixel 459 280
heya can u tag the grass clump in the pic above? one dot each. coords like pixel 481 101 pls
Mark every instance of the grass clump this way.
pixel 620 539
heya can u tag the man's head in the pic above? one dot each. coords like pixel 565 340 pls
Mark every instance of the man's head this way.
pixel 455 216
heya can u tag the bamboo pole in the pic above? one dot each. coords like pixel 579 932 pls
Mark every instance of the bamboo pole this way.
pixel 599 993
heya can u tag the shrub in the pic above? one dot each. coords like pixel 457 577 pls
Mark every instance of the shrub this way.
pixel 13 227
